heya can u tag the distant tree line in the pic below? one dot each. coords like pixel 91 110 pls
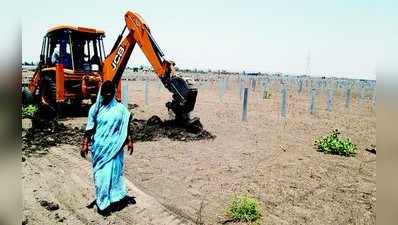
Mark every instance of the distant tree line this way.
pixel 195 70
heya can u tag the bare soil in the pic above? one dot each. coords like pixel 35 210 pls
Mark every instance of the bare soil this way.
pixel 267 157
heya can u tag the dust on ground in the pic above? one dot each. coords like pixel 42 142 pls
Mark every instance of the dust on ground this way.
pixel 58 189
pixel 44 134
pixel 268 157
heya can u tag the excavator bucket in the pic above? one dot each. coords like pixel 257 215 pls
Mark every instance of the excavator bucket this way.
pixel 183 103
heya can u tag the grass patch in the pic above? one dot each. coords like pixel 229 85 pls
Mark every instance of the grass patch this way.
pixel 333 144
pixel 244 208
pixel 28 111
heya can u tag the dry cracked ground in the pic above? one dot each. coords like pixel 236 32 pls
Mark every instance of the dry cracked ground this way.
pixel 193 181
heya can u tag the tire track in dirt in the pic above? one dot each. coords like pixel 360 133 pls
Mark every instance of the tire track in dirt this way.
pixel 48 183
pixel 66 178
pixel 147 201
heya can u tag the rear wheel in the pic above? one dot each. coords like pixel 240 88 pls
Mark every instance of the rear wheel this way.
pixel 48 104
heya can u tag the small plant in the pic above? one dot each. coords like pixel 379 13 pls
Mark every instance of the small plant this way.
pixel 333 144
pixel 267 94
pixel 244 208
pixel 28 111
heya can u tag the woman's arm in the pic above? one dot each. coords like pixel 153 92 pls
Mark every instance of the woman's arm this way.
pixel 130 145
pixel 129 140
pixel 86 141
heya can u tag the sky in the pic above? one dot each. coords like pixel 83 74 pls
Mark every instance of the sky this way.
pixel 342 38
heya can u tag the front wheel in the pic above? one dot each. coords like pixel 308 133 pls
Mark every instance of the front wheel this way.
pixel 27 97
pixel 93 100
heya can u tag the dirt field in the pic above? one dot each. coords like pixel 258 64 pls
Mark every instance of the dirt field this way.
pixel 270 158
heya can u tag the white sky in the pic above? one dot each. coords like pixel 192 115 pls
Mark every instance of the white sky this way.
pixel 345 38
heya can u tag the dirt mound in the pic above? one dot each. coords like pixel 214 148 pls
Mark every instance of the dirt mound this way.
pixel 154 128
pixel 45 134
pixel 50 206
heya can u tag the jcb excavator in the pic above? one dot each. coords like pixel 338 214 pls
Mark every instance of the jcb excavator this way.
pixel 72 67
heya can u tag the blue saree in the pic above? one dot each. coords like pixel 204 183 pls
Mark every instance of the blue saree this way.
pixel 110 123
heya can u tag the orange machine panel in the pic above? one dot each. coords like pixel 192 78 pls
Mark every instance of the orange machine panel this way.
pixel 119 91
pixel 59 82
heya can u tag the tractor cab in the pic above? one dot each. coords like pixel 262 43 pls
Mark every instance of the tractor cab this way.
pixel 80 49
pixel 70 67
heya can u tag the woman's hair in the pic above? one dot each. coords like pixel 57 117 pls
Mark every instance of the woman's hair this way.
pixel 108 87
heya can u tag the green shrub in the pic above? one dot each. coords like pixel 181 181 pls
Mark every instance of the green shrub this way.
pixel 28 111
pixel 333 144
pixel 244 208
pixel 267 94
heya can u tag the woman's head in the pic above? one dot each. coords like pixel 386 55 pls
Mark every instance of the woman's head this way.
pixel 107 91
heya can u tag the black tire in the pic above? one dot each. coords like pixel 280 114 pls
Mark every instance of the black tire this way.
pixel 27 97
pixel 93 100
pixel 77 103
pixel 48 93
pixel 48 89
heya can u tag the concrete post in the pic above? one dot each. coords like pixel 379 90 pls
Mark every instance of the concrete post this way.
pixel 146 92
pixel 312 100
pixel 244 111
pixel 284 94
pixel 125 92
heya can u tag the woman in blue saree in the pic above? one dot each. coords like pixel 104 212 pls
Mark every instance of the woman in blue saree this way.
pixel 108 131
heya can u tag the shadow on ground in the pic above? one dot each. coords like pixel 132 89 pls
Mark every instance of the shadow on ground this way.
pixel 115 206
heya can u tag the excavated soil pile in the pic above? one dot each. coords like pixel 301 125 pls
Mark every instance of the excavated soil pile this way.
pixel 154 128
pixel 132 106
pixel 44 134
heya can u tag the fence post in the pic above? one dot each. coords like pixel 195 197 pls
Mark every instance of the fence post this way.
pixel 300 86
pixel 362 94
pixel 265 93
pixel 330 100
pixel 244 111
pixel 146 92
pixel 240 89
pixel 348 97
pixel 284 109
pixel 125 92
pixel 312 100
pixel 254 84
pixel 226 83
pixel 222 85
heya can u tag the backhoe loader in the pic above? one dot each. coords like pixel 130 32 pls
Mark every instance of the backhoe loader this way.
pixel 73 65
